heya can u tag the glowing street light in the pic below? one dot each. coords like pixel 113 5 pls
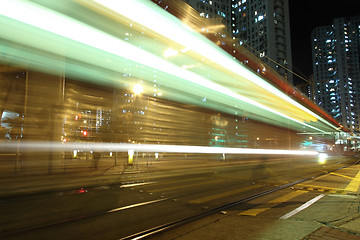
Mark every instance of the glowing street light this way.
pixel 138 89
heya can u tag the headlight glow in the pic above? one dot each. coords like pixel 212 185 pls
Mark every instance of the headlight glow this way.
pixel 322 158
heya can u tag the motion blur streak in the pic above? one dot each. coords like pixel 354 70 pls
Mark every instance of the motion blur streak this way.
pixel 137 9
pixel 136 205
pixel 115 104
pixel 124 147
pixel 166 25
pixel 74 30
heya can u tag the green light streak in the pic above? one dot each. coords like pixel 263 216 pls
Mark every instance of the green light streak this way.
pixel 140 11
pixel 94 55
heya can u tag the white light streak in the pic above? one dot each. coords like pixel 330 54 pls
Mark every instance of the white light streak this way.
pixel 127 147
pixel 174 30
pixel 135 184
pixel 170 53
pixel 136 205
pixel 135 10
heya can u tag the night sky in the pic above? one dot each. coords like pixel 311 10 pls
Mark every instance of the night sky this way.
pixel 305 15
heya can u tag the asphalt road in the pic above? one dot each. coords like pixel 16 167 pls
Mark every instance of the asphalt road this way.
pixel 142 200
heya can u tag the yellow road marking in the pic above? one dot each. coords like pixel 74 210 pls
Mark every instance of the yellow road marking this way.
pixel 253 212
pixel 224 194
pixel 354 184
pixel 184 186
pixel 288 196
pixel 314 186
pixel 257 210
pixel 340 175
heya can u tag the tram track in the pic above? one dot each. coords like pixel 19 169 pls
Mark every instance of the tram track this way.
pixel 167 226
pixel 172 225
pixel 152 231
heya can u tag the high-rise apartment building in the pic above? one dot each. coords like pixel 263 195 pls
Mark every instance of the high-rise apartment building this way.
pixel 261 26
pixel 336 55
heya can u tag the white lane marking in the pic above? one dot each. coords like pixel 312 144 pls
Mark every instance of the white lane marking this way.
pixel 302 207
pixel 136 205
pixel 135 184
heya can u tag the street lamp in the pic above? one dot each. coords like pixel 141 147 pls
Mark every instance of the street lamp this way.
pixel 138 89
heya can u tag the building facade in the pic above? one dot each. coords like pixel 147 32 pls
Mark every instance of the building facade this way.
pixel 263 27
pixel 336 56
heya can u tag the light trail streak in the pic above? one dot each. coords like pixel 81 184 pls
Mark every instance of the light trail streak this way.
pixel 136 205
pixel 174 30
pixel 72 29
pixel 135 184
pixel 125 147
pixel 161 23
